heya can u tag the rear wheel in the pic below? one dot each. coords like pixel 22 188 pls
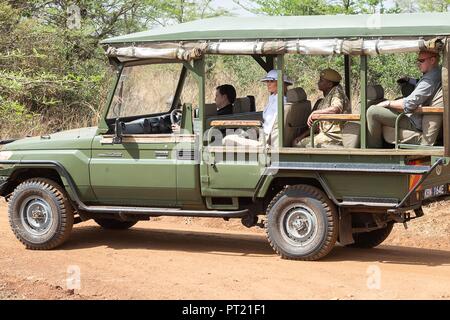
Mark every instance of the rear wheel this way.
pixel 301 223
pixel 40 214
pixel 114 224
pixel 371 239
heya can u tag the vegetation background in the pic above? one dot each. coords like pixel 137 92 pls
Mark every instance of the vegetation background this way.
pixel 54 74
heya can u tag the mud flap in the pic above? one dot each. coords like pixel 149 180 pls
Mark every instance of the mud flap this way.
pixel 345 228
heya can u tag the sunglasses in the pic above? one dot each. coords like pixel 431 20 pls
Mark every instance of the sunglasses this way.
pixel 423 60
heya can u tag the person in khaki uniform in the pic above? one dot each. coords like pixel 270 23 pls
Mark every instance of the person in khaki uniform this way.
pixel 334 101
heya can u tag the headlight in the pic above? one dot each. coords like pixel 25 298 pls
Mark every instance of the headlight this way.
pixel 5 155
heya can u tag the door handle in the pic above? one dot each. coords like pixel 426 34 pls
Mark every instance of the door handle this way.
pixel 111 154
pixel 161 154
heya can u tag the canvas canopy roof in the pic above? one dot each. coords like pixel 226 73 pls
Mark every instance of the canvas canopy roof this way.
pixel 300 27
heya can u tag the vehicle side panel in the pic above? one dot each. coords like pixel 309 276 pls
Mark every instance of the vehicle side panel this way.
pixel 74 161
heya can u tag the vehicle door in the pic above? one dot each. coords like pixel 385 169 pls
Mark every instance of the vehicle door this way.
pixel 140 169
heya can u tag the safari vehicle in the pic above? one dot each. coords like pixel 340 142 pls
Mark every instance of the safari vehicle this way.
pixel 133 167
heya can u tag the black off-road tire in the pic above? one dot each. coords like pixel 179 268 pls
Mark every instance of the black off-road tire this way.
pixel 47 196
pixel 112 224
pixel 371 239
pixel 303 202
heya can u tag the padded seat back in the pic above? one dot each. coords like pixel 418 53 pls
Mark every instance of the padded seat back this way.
pixel 351 130
pixel 375 94
pixel 210 110
pixel 296 113
pixel 242 105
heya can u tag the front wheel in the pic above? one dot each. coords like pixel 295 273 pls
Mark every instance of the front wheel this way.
pixel 40 214
pixel 301 223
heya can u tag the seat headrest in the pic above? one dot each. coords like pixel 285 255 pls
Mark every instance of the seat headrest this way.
pixel 375 92
pixel 241 105
pixel 210 109
pixel 296 95
pixel 406 89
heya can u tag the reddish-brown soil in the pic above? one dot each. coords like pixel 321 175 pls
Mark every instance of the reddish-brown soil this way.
pixel 192 258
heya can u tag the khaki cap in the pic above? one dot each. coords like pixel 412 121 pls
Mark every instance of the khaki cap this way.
pixel 331 75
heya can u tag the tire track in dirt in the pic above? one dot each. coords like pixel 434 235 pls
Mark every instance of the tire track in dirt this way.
pixel 176 258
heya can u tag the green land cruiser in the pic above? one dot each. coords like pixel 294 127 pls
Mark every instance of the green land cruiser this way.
pixel 133 166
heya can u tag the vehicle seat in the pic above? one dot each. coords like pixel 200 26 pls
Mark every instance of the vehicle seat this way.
pixel 252 103
pixel 242 105
pixel 296 113
pixel 406 89
pixel 210 110
pixel 431 127
pixel 375 94
pixel 351 130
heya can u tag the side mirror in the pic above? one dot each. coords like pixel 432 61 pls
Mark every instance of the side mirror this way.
pixel 117 139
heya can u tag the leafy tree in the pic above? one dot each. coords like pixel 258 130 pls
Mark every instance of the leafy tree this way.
pixel 53 74
pixel 434 5
pixel 180 11
pixel 371 6
pixel 286 7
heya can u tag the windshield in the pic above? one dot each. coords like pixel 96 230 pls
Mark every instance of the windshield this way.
pixel 145 90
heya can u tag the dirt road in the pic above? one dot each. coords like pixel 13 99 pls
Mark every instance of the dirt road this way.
pixel 203 259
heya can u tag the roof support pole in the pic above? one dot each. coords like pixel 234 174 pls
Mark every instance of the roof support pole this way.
pixel 280 92
pixel 180 86
pixel 103 126
pixel 445 87
pixel 347 69
pixel 270 63
pixel 260 61
pixel 198 70
pixel 363 108
pixel 267 64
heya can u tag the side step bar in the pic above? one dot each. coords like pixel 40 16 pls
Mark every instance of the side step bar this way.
pixel 155 212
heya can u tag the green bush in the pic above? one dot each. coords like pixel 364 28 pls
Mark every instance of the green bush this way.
pixel 49 71
pixel 53 78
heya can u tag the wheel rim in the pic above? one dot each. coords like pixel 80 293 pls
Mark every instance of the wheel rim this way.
pixel 36 215
pixel 299 225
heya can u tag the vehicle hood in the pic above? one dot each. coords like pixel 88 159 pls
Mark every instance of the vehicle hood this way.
pixel 70 139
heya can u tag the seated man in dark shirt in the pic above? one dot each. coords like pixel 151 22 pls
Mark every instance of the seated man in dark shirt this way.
pixel 224 99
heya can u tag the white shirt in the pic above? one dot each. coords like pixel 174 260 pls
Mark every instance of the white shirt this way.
pixel 270 113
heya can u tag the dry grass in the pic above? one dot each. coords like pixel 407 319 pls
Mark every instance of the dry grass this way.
pixel 147 90
pixel 150 87
pixel 38 124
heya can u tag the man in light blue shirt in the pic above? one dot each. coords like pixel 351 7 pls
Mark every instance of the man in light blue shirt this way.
pixel 386 112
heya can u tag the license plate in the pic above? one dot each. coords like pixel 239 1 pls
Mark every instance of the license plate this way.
pixel 435 191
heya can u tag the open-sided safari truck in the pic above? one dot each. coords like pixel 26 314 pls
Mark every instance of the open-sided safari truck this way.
pixel 132 166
